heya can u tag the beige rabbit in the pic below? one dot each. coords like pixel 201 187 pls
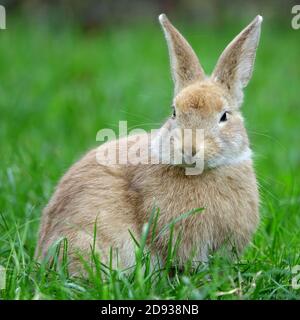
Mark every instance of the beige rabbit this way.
pixel 120 197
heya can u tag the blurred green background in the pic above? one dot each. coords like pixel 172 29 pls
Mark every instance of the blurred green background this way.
pixel 71 68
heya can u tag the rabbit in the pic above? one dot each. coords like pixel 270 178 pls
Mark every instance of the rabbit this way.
pixel 103 206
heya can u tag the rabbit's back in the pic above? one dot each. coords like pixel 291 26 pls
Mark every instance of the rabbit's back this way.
pixel 92 205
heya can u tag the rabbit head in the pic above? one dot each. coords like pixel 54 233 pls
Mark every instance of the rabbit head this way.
pixel 212 103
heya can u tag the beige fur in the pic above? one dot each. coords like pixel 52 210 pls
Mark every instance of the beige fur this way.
pixel 119 198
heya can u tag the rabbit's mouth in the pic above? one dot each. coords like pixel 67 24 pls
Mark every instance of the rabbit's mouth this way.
pixel 203 161
pixel 188 161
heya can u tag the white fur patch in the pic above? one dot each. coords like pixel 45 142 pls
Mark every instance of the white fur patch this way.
pixel 227 160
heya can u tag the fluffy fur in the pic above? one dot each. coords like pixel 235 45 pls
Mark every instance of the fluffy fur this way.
pixel 119 198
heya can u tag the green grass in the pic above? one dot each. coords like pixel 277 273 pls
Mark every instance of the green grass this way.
pixel 59 87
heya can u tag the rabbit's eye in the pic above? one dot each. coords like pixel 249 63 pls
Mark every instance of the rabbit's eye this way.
pixel 224 117
pixel 173 112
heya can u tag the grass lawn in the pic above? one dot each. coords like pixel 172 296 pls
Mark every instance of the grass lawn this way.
pixel 60 86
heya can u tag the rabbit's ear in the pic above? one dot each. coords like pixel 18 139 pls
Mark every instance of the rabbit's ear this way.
pixel 235 65
pixel 185 66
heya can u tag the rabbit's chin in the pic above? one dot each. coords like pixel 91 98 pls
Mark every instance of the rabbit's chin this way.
pixel 229 160
pixel 216 162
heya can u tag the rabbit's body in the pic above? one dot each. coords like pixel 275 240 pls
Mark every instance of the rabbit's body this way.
pixel 121 197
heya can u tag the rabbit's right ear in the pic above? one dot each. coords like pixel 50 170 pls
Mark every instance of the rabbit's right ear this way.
pixel 235 65
pixel 185 66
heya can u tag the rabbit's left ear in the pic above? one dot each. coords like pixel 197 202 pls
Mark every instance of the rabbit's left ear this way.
pixel 235 65
pixel 185 66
